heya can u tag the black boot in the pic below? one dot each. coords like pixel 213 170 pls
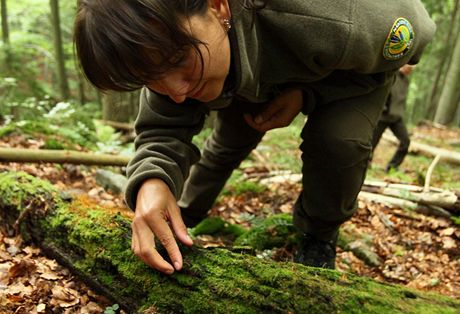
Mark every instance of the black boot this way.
pixel 315 252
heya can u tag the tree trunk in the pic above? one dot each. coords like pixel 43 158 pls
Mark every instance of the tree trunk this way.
pixel 81 88
pixel 61 156
pixel 443 198
pixel 6 35
pixel 427 150
pixel 95 244
pixel 445 56
pixel 59 51
pixel 447 102
pixel 5 28
pixel 119 107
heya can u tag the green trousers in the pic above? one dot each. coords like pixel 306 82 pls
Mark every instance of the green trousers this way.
pixel 336 146
pixel 397 126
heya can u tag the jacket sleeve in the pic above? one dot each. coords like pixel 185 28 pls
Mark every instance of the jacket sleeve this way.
pixel 163 144
pixel 373 24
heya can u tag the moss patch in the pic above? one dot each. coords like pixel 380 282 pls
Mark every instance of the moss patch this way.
pixel 96 242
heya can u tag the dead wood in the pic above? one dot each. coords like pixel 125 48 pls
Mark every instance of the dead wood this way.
pixel 94 242
pixel 61 156
pixel 427 150
pixel 404 204
pixel 434 197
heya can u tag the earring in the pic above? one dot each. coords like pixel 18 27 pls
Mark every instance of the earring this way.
pixel 227 25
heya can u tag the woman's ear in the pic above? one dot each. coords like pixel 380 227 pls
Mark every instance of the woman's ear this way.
pixel 222 8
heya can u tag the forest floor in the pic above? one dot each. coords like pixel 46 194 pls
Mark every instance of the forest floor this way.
pixel 417 251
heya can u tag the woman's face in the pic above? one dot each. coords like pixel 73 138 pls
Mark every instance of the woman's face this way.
pixel 192 79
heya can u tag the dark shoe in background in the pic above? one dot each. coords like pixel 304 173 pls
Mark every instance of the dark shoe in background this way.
pixel 315 252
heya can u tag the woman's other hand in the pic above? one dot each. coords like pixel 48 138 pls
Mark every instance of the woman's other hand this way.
pixel 157 215
pixel 279 113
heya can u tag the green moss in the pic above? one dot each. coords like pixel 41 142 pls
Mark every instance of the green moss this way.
pixel 209 225
pixel 18 187
pixel 97 242
pixel 237 184
pixel 456 220
pixel 213 225
pixel 275 231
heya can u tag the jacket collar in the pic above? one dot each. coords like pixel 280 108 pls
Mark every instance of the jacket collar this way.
pixel 245 52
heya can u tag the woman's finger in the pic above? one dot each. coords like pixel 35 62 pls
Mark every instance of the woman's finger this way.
pixel 178 226
pixel 163 233
pixel 144 247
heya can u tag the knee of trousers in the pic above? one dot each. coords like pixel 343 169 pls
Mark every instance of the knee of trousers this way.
pixel 333 170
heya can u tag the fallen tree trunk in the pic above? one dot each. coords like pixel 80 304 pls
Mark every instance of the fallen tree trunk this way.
pixel 404 204
pixel 427 150
pixel 61 156
pixel 94 243
pixel 434 197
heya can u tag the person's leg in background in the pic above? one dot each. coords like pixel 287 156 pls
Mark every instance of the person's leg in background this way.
pixel 380 128
pixel 400 131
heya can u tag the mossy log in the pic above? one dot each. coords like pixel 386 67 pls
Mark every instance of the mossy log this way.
pixel 94 242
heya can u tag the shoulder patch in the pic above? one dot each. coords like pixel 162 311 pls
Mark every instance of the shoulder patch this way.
pixel 399 40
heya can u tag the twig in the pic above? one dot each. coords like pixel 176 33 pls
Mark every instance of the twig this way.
pixel 261 158
pixel 426 187
pixel 21 217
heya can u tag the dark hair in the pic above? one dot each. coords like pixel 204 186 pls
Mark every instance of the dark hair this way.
pixel 123 45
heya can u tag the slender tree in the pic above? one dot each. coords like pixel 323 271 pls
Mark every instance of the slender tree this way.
pixel 6 35
pixel 448 101
pixel 119 107
pixel 59 51
pixel 442 63
pixel 5 29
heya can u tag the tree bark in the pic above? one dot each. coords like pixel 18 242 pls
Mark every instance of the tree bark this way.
pixel 59 51
pixel 434 98
pixel 61 156
pixel 95 243
pixel 6 35
pixel 445 199
pixel 432 210
pixel 120 107
pixel 447 102
pixel 5 28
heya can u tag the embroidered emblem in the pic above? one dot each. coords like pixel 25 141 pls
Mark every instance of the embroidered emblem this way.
pixel 399 41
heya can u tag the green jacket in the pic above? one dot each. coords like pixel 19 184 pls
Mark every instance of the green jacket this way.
pixel 332 49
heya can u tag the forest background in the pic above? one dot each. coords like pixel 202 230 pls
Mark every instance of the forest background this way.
pixel 46 103
pixel 39 69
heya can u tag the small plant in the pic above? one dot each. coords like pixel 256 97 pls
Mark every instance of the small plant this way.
pixel 115 308
pixel 108 140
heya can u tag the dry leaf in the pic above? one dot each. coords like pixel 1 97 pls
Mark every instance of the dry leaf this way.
pixel 50 276
pixel 64 294
pixel 41 308
pixel 31 250
pixel 21 268
pixel 448 243
pixel 447 232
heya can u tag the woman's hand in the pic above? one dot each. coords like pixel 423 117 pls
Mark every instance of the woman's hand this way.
pixel 157 215
pixel 279 113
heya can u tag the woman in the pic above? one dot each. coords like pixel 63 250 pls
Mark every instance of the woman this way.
pixel 259 63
